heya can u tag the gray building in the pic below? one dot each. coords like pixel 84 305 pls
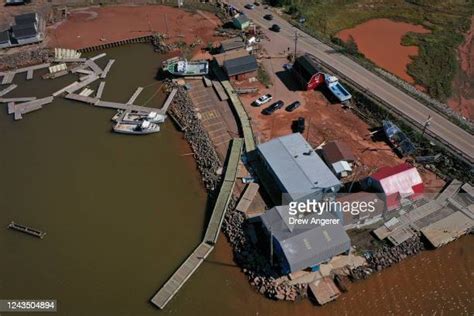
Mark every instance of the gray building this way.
pixel 241 67
pixel 25 33
pixel 27 18
pixel 296 169
pixel 4 39
pixel 232 44
pixel 301 246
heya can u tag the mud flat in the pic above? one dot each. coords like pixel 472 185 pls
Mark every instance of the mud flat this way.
pixel 380 41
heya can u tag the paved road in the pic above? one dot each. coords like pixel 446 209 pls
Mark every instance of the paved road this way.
pixel 446 131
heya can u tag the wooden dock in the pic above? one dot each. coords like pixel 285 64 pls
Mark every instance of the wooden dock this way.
pixel 95 68
pixel 107 68
pixel 20 99
pixel 126 107
pixel 170 98
pixel 81 98
pixel 135 95
pixel 8 89
pixel 27 107
pixel 190 265
pixel 8 78
pixel 29 74
pixel 184 272
pixel 100 90
pixel 27 230
pixel 220 90
pixel 9 75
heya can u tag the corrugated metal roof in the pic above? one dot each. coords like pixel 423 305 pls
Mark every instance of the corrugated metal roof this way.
pixel 305 245
pixel 297 166
pixel 306 67
pixel 399 179
pixel 26 18
pixel 240 65
pixel 24 31
pixel 232 43
pixel 4 37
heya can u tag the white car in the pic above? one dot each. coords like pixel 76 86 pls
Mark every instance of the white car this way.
pixel 263 99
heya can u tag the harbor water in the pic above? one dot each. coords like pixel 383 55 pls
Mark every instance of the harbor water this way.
pixel 122 212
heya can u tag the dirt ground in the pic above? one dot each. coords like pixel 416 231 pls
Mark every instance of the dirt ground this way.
pixel 463 86
pixel 380 40
pixel 100 25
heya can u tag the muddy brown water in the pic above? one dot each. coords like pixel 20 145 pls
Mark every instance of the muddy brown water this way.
pixel 122 212
pixel 380 41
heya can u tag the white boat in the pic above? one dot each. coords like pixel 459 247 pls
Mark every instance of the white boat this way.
pixel 141 128
pixel 138 116
pixel 183 67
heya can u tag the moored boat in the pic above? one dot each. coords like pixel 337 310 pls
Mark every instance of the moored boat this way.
pixel 141 128
pixel 182 67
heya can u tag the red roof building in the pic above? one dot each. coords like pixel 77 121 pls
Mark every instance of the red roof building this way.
pixel 399 183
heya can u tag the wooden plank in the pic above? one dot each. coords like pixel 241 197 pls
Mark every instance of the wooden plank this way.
pixel 8 78
pixel 95 68
pixel 168 101
pixel 98 56
pixel 81 98
pixel 11 107
pixel 220 90
pixel 29 74
pixel 24 99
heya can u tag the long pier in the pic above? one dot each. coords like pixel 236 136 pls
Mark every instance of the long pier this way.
pixel 135 95
pixel 9 75
pixel 8 89
pixel 100 90
pixel 107 68
pixel 197 257
pixel 27 107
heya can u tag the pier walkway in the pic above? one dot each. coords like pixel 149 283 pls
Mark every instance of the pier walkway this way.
pixel 9 75
pixel 190 265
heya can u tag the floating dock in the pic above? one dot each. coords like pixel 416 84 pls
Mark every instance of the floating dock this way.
pixel 27 230
pixel 184 272
pixel 124 106
pixel 27 107
pixel 135 95
pixel 81 98
pixel 100 90
pixel 107 68
pixel 8 89
pixel 8 77
pixel 21 99
pixel 170 98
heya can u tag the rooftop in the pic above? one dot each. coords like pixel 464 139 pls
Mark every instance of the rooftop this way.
pixel 232 43
pixel 297 166
pixel 336 151
pixel 240 65
pixel 24 30
pixel 4 37
pixel 305 245
pixel 402 178
pixel 26 18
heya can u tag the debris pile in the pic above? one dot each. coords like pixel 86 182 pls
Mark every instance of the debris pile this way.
pixel 24 58
pixel 386 256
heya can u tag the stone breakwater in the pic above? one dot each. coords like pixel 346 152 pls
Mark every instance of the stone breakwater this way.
pixel 182 110
pixel 25 58
pixel 253 263
pixel 386 256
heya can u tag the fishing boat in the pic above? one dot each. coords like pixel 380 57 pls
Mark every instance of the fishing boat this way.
pixel 141 128
pixel 138 116
pixel 182 67
pixel 398 139
pixel 337 89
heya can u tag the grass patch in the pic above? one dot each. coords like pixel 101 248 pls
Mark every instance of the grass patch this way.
pixel 436 64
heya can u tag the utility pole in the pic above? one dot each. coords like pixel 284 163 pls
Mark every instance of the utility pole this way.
pixel 296 45
pixel 271 247
pixel 426 124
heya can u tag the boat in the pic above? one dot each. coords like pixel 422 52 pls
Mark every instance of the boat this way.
pixel 399 140
pixel 337 89
pixel 141 128
pixel 137 117
pixel 182 67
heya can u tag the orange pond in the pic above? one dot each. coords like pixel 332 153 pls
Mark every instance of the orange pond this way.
pixel 380 41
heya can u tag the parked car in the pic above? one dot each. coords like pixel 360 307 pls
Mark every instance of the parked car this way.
pixel 249 6
pixel 263 99
pixel 298 125
pixel 275 28
pixel 268 17
pixel 257 3
pixel 272 108
pixel 293 106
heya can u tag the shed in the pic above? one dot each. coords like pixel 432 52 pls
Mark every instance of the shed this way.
pixel 399 183
pixel 336 151
pixel 221 58
pixel 23 31
pixel 232 44
pixel 240 65
pixel 241 22
pixel 301 246
pixel 4 39
pixel 297 169
pixel 27 18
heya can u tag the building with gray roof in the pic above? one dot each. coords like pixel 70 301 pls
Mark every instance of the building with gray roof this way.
pixel 301 246
pixel 4 39
pixel 240 65
pixel 296 169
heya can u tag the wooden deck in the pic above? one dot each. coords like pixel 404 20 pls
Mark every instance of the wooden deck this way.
pixel 8 89
pixel 184 272
pixel 135 95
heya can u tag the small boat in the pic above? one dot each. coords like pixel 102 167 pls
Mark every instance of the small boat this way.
pixel 137 117
pixel 141 128
pixel 337 89
pixel 182 67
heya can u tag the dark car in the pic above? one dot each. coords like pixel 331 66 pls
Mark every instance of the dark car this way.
pixel 249 6
pixel 275 28
pixel 272 108
pixel 268 17
pixel 298 125
pixel 293 106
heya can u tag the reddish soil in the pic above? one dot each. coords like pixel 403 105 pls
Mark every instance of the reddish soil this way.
pixel 463 85
pixel 326 122
pixel 380 41
pixel 101 25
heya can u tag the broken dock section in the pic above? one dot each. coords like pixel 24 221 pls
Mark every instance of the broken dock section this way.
pixel 27 230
